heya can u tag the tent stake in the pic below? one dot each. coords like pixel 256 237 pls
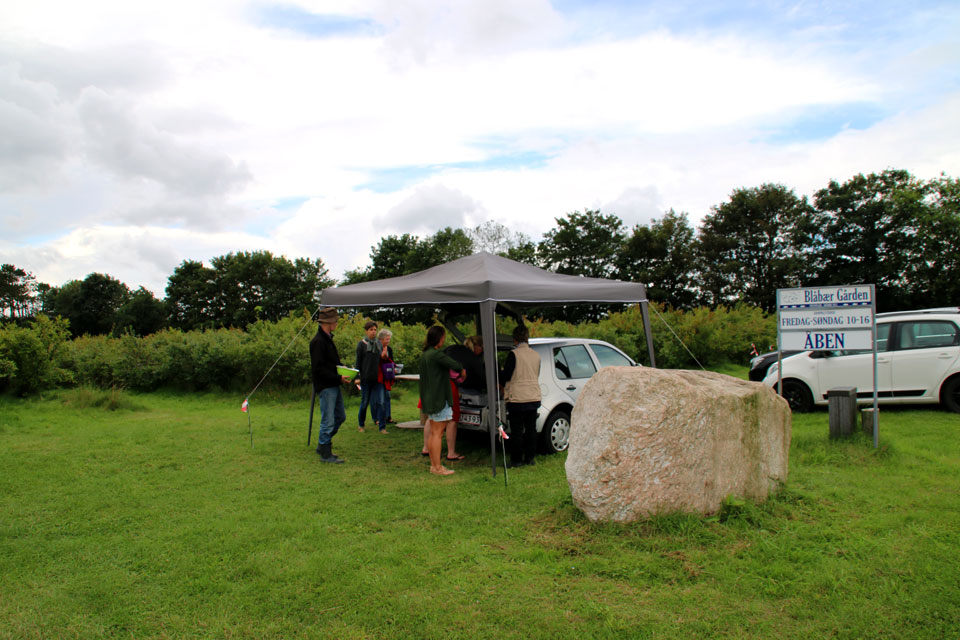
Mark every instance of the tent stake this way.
pixel 250 425
pixel 503 443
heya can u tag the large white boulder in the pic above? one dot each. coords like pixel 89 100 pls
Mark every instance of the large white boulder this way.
pixel 648 441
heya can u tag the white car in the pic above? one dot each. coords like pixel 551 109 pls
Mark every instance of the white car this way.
pixel 918 362
pixel 565 366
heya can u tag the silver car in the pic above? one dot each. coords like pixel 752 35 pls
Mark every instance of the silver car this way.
pixel 565 366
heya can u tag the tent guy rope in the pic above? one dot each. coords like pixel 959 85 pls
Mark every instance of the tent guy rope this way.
pixel 245 407
pixel 682 344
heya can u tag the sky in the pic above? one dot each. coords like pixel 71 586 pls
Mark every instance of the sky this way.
pixel 137 135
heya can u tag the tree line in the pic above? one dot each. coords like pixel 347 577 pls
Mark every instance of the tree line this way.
pixel 236 290
pixel 889 229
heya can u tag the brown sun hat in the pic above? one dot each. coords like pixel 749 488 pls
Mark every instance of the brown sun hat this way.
pixel 327 315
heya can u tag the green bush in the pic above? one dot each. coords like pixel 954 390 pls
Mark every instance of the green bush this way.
pixel 7 368
pixel 33 358
pixel 141 364
pixel 94 361
pixel 712 336
pixel 203 360
pixel 39 356
pixel 282 345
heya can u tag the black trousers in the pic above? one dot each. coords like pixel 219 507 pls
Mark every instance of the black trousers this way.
pixel 523 434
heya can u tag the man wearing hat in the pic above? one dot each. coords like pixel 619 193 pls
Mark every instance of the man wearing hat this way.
pixel 324 360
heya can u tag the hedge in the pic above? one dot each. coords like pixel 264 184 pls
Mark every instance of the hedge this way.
pixel 275 354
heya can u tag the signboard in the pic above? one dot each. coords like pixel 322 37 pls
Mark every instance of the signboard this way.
pixel 825 318
pixel 828 319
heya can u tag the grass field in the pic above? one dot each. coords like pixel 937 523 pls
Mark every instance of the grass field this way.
pixel 125 516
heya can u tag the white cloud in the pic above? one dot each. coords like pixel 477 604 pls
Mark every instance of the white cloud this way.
pixel 636 205
pixel 431 207
pixel 132 136
pixel 136 256
pixel 123 66
pixel 132 148
pixel 422 31
pixel 33 140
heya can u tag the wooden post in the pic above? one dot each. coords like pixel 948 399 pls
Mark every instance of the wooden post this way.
pixel 842 408
pixel 866 420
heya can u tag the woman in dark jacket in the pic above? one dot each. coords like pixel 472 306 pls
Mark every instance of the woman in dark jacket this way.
pixel 436 399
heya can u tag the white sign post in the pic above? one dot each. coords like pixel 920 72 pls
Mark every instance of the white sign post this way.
pixel 828 319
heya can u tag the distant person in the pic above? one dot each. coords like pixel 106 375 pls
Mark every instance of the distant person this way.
pixel 387 377
pixel 521 384
pixel 436 399
pixel 470 355
pixel 324 360
pixel 368 363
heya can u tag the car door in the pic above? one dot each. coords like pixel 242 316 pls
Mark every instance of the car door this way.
pixel 855 368
pixel 572 366
pixel 926 350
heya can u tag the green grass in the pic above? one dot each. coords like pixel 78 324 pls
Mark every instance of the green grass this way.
pixel 158 520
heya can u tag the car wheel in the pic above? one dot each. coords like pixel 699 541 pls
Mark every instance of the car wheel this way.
pixel 798 396
pixel 950 395
pixel 556 432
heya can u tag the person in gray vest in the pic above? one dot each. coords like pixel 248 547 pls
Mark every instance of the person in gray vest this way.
pixel 521 387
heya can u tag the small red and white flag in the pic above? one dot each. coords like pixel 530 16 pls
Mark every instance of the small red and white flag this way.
pixel 503 434
pixel 243 407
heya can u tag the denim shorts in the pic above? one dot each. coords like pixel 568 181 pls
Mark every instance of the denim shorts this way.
pixel 443 415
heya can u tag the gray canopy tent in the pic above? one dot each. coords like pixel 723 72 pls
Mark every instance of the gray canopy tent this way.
pixel 484 284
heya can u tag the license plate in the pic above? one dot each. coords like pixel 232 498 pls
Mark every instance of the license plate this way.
pixel 469 418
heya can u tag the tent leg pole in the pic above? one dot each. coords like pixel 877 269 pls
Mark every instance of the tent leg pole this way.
pixel 313 400
pixel 647 332
pixel 488 329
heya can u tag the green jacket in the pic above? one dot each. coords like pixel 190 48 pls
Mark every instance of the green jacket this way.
pixel 435 368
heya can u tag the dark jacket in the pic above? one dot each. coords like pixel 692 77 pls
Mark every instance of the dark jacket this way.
pixel 472 363
pixel 435 368
pixel 368 360
pixel 323 361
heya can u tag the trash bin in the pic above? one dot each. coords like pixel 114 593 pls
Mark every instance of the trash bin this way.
pixel 842 407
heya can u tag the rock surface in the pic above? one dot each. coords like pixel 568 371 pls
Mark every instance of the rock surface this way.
pixel 648 441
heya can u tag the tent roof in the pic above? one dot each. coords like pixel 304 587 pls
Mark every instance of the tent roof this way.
pixel 482 277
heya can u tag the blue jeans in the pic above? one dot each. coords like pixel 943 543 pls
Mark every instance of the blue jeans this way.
pixel 386 403
pixel 364 402
pixel 332 414
pixel 372 394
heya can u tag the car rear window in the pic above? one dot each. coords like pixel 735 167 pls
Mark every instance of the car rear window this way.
pixel 573 361
pixel 609 357
pixel 927 334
